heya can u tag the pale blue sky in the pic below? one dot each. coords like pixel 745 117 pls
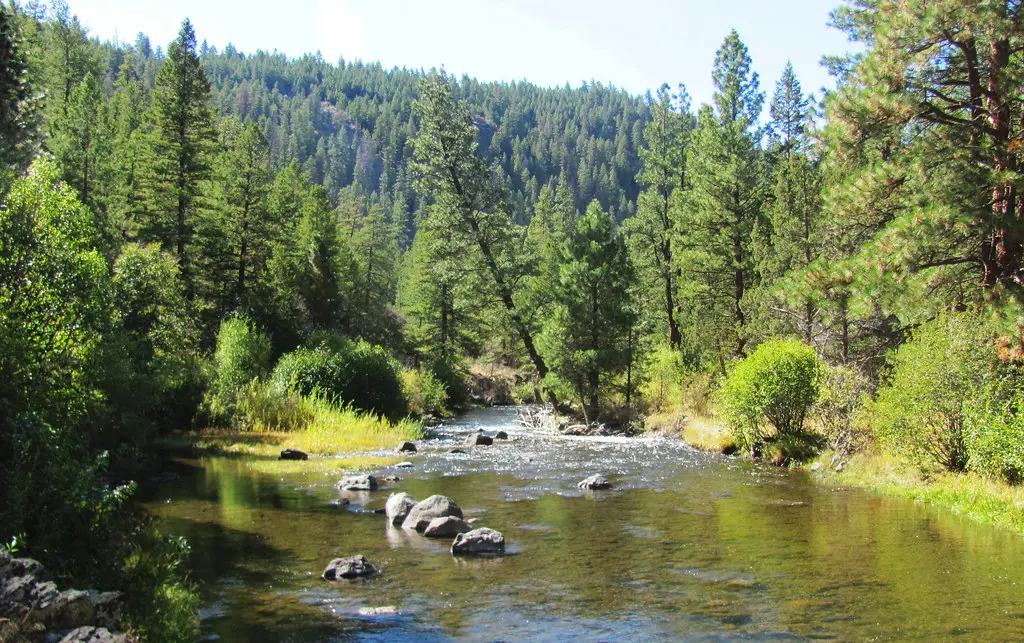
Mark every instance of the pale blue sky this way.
pixel 634 44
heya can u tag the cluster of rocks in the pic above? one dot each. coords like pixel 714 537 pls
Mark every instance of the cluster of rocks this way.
pixel 32 606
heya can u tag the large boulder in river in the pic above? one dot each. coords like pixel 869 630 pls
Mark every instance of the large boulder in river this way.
pixel 90 634
pixel 479 541
pixel 358 483
pixel 407 447
pixel 479 439
pixel 293 454
pixel 596 481
pixel 426 510
pixel 398 507
pixel 447 527
pixel 351 567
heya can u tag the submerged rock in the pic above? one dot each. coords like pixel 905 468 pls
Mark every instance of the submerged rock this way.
pixel 351 567
pixel 501 435
pixel 407 447
pixel 479 541
pixel 398 507
pixel 392 479
pixel 427 510
pixel 457 451
pixel 446 527
pixel 596 481
pixel 293 454
pixel 358 483
pixel 387 610
pixel 405 465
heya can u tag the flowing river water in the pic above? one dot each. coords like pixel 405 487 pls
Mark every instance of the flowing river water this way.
pixel 687 546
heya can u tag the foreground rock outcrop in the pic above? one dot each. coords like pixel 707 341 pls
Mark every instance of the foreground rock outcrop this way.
pixel 31 605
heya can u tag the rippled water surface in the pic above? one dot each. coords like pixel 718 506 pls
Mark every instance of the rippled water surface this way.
pixel 687 546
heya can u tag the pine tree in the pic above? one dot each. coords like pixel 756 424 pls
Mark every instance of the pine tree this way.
pixel 719 216
pixel 129 104
pixel 17 109
pixel 941 207
pixel 81 144
pixel 466 198
pixel 235 234
pixel 180 147
pixel 588 337
pixel 653 230
pixel 67 58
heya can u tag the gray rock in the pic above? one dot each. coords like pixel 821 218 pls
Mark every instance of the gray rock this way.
pixel 387 610
pixel 479 439
pixel 293 454
pixel 90 634
pixel 501 435
pixel 446 527
pixel 407 446
pixel 108 607
pixel 392 479
pixel 358 483
pixel 479 541
pixel 398 507
pixel 405 465
pixel 426 510
pixel 75 608
pixel 351 567
pixel 596 481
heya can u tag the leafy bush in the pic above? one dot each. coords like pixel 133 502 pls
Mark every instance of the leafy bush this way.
pixel 456 385
pixel 360 374
pixel 776 384
pixel 994 430
pixel 663 386
pixel 844 392
pixel 424 391
pixel 242 356
pixel 920 410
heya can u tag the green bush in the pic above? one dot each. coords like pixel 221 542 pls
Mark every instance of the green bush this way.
pixel 360 374
pixel 456 385
pixel 920 410
pixel 994 430
pixel 242 356
pixel 776 385
pixel 844 391
pixel 425 392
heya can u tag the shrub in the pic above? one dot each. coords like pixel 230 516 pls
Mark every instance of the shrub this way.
pixel 456 385
pixel 362 375
pixel 776 384
pixel 843 394
pixel 663 388
pixel 994 430
pixel 242 356
pixel 424 391
pixel 919 411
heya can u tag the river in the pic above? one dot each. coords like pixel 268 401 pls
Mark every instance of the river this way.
pixel 687 546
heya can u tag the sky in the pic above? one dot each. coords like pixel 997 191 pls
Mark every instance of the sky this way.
pixel 633 44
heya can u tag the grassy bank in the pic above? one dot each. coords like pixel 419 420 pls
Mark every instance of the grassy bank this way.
pixel 980 499
pixel 701 433
pixel 340 436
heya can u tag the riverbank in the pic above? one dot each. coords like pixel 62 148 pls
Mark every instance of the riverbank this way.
pixel 985 501
pixel 980 499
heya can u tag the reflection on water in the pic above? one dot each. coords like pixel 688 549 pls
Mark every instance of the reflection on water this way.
pixel 688 546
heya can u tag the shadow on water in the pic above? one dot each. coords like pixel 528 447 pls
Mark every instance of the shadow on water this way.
pixel 688 546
